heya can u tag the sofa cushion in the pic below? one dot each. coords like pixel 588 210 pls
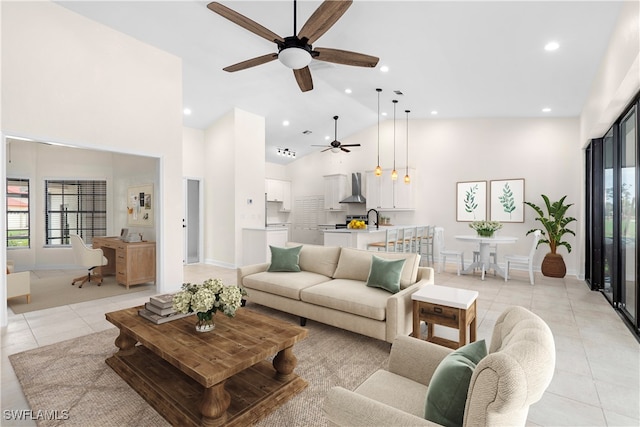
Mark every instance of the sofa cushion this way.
pixel 285 259
pixel 355 264
pixel 318 259
pixel 385 274
pixel 447 392
pixel 351 296
pixel 282 283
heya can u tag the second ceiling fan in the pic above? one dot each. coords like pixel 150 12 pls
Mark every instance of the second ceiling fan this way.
pixel 296 52
pixel 336 145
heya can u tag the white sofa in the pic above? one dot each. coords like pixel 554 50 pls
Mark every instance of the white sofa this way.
pixel 331 288
pixel 18 284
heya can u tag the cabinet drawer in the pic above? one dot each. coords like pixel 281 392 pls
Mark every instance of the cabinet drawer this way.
pixel 439 314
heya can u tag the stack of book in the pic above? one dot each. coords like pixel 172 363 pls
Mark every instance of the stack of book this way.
pixel 159 309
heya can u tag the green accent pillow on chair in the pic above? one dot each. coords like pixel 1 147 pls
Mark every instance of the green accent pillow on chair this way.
pixel 447 392
pixel 385 274
pixel 285 259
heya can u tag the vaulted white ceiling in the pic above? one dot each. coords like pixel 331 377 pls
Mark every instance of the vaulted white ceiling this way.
pixel 461 59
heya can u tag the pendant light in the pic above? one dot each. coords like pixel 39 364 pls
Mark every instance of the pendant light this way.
pixel 378 170
pixel 394 173
pixel 407 179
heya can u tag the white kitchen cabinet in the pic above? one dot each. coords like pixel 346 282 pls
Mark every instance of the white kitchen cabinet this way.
pixel 383 193
pixel 335 190
pixel 279 191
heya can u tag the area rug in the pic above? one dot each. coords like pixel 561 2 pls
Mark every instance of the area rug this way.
pixel 72 378
pixel 56 290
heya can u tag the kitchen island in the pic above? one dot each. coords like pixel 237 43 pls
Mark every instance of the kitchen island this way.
pixel 354 238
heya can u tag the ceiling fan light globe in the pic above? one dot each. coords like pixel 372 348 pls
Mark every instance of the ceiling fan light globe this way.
pixel 378 170
pixel 335 150
pixel 294 58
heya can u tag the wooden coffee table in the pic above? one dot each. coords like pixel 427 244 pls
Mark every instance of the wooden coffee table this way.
pixel 214 378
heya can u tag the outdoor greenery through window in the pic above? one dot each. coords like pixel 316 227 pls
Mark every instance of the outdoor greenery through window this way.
pixel 18 213
pixel 75 207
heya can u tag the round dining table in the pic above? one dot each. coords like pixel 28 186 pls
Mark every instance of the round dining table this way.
pixel 484 260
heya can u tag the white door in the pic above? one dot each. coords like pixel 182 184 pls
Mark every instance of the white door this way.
pixel 192 221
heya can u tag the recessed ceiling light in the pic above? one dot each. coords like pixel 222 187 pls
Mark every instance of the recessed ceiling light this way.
pixel 347 90
pixel 186 111
pixel 551 46
pixel 383 113
pixel 546 110
pixel 285 123
pixel 434 112
pixel 327 137
pixel 384 69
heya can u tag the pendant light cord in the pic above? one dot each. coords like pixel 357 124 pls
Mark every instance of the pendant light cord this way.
pixel 379 90
pixel 395 101
pixel 407 167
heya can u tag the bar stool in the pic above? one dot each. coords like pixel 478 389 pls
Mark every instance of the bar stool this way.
pixel 390 243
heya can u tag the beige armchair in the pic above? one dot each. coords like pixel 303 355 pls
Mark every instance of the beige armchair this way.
pixel 514 375
pixel 89 258
pixel 18 284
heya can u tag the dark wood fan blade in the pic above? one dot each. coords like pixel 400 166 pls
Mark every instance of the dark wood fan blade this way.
pixel 344 149
pixel 345 57
pixel 350 145
pixel 317 145
pixel 303 77
pixel 323 18
pixel 251 62
pixel 244 22
pixel 326 149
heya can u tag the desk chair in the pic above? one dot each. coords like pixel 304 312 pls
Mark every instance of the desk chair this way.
pixel 444 253
pixel 89 258
pixel 523 259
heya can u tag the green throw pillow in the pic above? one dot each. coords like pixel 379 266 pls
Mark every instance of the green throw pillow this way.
pixel 447 392
pixel 385 274
pixel 284 259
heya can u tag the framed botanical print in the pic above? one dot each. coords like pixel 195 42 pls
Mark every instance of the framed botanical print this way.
pixel 471 201
pixel 140 201
pixel 507 200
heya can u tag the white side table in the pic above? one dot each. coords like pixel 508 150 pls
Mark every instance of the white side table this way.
pixel 441 305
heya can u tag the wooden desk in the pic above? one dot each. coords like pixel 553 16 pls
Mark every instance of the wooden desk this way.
pixel 441 305
pixel 222 377
pixel 132 263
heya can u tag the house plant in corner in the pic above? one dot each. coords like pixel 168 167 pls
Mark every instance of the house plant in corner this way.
pixel 554 224
pixel 207 298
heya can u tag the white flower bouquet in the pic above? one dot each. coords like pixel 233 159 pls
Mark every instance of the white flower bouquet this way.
pixel 207 298
pixel 485 228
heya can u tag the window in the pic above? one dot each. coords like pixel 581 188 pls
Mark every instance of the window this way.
pixel 75 207
pixel 18 213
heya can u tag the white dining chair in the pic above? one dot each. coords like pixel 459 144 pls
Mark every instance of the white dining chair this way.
pixel 444 253
pixel 523 259
pixel 493 255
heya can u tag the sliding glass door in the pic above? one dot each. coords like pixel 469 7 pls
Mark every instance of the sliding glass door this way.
pixel 613 188
pixel 628 215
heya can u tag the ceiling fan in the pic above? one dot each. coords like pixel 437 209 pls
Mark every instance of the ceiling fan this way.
pixel 335 145
pixel 295 51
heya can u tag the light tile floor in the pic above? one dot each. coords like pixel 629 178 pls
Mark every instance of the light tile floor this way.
pixel 597 378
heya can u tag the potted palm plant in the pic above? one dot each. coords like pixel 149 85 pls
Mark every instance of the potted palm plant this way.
pixel 554 224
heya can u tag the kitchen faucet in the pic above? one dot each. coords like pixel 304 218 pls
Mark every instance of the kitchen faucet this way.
pixel 377 217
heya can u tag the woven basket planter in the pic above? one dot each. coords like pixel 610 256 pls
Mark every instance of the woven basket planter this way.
pixel 553 265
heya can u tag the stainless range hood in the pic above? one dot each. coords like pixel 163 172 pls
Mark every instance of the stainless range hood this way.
pixel 356 190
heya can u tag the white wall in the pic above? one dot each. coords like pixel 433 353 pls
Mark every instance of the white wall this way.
pixel 618 77
pixel 68 79
pixel 443 152
pixel 234 174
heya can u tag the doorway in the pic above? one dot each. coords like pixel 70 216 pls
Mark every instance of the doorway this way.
pixel 192 221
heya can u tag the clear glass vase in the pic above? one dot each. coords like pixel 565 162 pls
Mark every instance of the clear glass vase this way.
pixel 205 322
